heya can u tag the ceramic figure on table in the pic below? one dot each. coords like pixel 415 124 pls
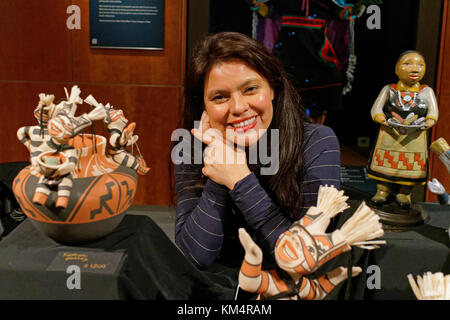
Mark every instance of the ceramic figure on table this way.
pixel 438 189
pixel 64 125
pixel 405 111
pixel 121 137
pixel 52 158
pixel 73 191
pixel 431 286
pixel 305 247
pixel 441 148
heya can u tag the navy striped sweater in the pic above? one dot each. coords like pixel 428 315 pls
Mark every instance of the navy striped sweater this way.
pixel 208 216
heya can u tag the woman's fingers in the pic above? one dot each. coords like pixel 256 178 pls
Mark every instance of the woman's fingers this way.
pixel 207 136
pixel 203 136
pixel 212 154
pixel 197 133
pixel 204 122
pixel 205 171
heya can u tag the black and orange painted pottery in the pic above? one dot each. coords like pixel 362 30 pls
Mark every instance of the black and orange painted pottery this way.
pixel 102 191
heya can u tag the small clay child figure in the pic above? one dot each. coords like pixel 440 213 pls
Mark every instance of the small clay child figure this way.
pixel 405 111
pixel 121 136
pixel 305 247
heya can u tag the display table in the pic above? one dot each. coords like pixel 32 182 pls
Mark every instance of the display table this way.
pixel 138 261
pixel 414 250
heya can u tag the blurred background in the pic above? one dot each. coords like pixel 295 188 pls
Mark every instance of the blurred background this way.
pixel 38 53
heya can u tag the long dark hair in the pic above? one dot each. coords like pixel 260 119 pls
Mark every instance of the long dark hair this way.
pixel 289 114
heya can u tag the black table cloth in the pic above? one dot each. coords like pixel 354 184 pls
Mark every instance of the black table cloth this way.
pixel 413 250
pixel 150 267
pixel 142 263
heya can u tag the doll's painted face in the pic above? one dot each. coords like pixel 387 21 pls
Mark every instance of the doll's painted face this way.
pixel 410 69
pixel 238 101
pixel 295 251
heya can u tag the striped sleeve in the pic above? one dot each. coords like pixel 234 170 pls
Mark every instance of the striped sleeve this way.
pixel 261 214
pixel 321 155
pixel 199 216
pixel 200 211
pixel 322 163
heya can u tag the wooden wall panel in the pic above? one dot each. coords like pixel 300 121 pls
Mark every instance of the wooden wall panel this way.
pixel 155 111
pixel 437 168
pixel 39 54
pixel 442 129
pixel 132 66
pixel 17 103
pixel 443 81
pixel 35 43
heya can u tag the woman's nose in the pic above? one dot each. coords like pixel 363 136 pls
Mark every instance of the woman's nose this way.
pixel 239 105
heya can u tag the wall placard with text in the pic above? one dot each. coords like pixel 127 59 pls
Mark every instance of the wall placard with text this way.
pixel 127 24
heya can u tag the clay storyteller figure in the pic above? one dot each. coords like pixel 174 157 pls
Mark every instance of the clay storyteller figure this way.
pixel 405 112
pixel 73 191
pixel 305 247
pixel 52 158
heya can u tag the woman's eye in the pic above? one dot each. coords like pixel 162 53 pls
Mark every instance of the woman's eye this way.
pixel 251 89
pixel 218 98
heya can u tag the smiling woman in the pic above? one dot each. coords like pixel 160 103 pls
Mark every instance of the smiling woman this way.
pixel 238 99
pixel 241 93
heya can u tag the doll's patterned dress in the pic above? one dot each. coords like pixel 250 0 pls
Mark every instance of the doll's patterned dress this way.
pixel 402 156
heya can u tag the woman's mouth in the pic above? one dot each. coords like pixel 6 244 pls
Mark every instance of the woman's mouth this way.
pixel 413 76
pixel 244 124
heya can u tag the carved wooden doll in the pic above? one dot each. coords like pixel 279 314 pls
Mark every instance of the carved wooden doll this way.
pixel 405 111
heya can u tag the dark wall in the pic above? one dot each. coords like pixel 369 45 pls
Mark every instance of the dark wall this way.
pixel 38 53
pixel 377 51
pixel 230 15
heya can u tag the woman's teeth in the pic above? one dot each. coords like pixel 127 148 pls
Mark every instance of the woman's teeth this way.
pixel 244 123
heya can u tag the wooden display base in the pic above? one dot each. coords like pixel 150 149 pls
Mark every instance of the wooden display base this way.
pixel 396 218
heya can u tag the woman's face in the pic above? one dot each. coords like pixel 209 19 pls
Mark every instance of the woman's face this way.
pixel 238 101
pixel 410 69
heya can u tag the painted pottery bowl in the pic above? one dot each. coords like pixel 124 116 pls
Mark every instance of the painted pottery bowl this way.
pixel 101 193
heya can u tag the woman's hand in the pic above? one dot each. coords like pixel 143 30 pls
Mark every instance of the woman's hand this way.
pixel 224 163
